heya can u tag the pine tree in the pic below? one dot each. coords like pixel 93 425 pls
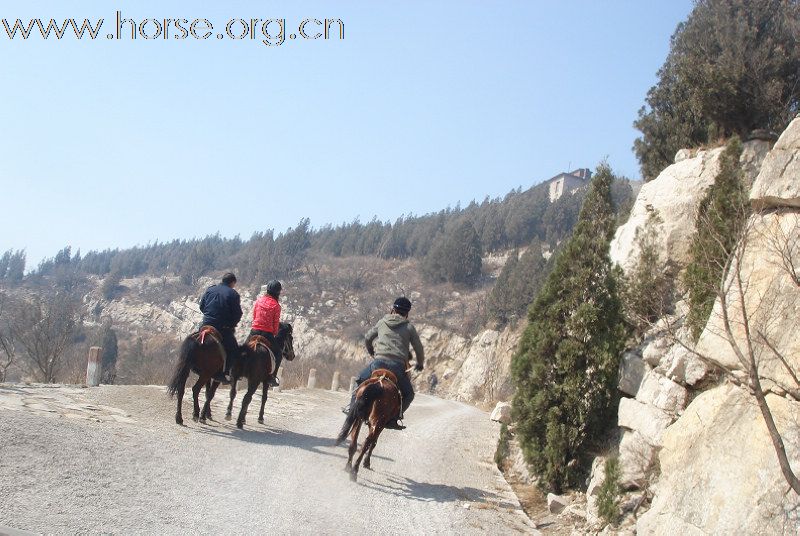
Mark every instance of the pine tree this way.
pixel 565 369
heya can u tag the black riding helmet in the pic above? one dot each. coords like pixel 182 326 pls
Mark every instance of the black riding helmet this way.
pixel 274 288
pixel 402 305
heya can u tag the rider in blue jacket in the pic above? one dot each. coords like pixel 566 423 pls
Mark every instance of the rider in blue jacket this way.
pixel 222 309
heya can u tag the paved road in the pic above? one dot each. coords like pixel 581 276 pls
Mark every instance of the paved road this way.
pixel 111 460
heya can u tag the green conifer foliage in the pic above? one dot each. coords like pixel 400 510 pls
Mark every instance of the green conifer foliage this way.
pixel 565 369
pixel 720 219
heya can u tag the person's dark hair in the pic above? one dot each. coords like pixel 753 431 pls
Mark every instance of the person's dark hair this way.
pixel 228 278
pixel 402 306
pixel 274 288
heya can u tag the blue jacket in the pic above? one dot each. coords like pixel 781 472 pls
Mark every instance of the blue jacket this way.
pixel 221 307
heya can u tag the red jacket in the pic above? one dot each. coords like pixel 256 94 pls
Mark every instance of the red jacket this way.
pixel 267 314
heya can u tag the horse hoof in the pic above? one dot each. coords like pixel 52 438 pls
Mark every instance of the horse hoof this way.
pixel 203 421
pixel 240 425
pixel 179 420
pixel 227 416
pixel 353 476
pixel 260 421
pixel 367 466
pixel 195 418
pixel 348 467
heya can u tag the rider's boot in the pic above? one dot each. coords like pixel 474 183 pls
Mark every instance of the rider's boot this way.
pixel 221 378
pixel 394 424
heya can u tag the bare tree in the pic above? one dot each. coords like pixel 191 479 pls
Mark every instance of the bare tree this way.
pixel 758 290
pixel 41 329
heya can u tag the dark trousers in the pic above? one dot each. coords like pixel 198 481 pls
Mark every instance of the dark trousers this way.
pixel 229 343
pixel 275 350
pixel 403 383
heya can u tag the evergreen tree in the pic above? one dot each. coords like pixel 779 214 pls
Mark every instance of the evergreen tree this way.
pixel 720 218
pixel 733 66
pixel 565 368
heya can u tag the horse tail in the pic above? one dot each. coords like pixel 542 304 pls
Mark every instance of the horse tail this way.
pixel 184 365
pixel 360 409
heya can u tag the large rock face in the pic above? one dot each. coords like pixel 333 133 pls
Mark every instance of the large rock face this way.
pixel 770 304
pixel 675 194
pixel 777 184
pixel 720 474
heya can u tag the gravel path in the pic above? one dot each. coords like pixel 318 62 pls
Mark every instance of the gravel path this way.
pixel 111 460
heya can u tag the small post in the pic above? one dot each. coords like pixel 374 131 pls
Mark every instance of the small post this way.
pixel 335 382
pixel 278 389
pixel 312 378
pixel 94 368
pixel 352 384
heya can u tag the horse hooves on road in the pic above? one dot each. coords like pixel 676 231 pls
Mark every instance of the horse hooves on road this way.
pixel 227 416
pixel 179 421
pixel 240 425
pixel 353 477
pixel 195 419
pixel 260 421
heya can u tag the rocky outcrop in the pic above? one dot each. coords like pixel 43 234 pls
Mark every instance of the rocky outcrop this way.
pixel 675 194
pixel 719 473
pixel 777 184
pixel 769 301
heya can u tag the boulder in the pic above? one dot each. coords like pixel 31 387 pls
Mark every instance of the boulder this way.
pixel 675 194
pixel 557 503
pixel 631 371
pixel 596 479
pixel 663 393
pixel 719 471
pixel 502 413
pixel 655 351
pixel 771 301
pixel 636 457
pixel 648 420
pixel 777 184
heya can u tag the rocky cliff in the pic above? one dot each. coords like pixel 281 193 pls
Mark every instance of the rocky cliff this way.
pixel 693 437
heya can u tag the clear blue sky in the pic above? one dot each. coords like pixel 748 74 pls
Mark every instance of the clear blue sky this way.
pixel 111 143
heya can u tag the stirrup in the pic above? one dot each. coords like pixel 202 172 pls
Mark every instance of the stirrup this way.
pixel 394 424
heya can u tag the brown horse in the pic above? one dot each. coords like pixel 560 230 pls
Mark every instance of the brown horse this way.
pixel 202 353
pixel 378 400
pixel 256 364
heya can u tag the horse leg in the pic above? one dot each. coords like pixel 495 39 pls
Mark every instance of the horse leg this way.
pixel 264 391
pixel 251 388
pixel 196 396
pixel 178 415
pixel 211 389
pixel 368 457
pixel 353 445
pixel 233 396
pixel 369 443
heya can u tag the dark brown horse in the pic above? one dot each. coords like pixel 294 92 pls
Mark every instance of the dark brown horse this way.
pixel 203 354
pixel 378 400
pixel 256 364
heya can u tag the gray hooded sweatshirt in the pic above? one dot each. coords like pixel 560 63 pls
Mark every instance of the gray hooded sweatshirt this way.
pixel 394 333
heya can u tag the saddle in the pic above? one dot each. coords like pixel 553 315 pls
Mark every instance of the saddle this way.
pixel 208 331
pixel 254 342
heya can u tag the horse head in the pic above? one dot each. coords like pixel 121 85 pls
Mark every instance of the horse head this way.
pixel 286 339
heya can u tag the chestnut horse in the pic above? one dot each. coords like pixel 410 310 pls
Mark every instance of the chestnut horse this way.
pixel 201 352
pixel 378 400
pixel 257 364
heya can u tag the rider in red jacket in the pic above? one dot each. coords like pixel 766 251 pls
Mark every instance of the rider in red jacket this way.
pixel 266 321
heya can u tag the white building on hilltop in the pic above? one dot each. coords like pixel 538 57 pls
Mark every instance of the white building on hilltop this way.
pixel 568 182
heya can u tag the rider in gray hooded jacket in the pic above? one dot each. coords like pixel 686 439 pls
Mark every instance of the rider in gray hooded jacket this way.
pixel 388 343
